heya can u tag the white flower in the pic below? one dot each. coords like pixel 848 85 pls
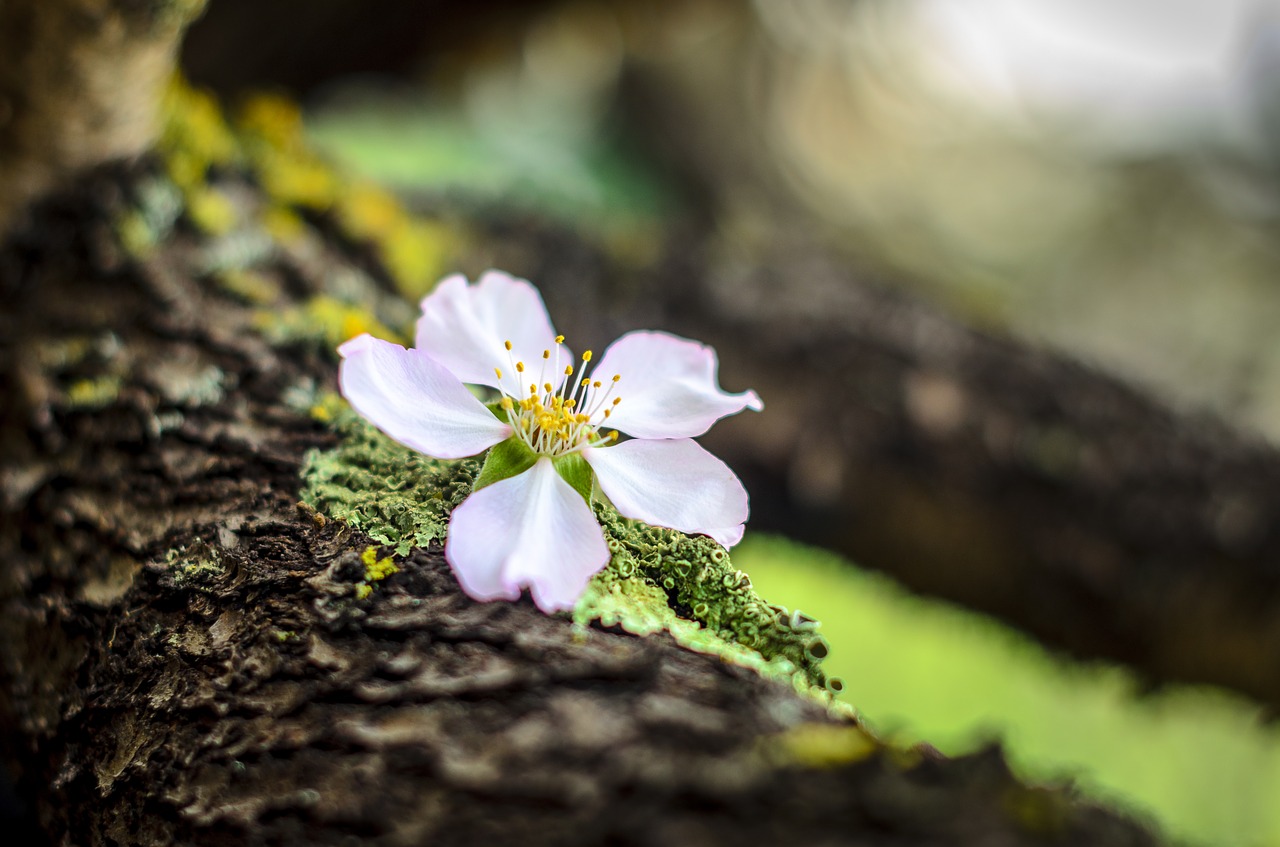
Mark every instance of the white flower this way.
pixel 525 524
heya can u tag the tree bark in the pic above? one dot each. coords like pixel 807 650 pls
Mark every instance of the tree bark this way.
pixel 185 658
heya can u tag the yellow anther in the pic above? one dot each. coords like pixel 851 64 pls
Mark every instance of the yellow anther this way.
pixel 507 344
pixel 559 339
pixel 617 400
pixel 568 370
pixel 546 354
pixel 613 436
pixel 533 389
pixel 498 371
pixel 507 404
pixel 520 367
pixel 586 356
pixel 547 386
pixel 584 383
pixel 595 384
pixel 617 377
pixel 608 412
pixel 571 402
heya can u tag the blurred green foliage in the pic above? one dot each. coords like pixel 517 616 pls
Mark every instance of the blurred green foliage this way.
pixel 586 179
pixel 1198 761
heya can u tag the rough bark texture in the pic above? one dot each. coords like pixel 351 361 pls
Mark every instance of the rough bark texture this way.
pixel 184 657
pixel 79 85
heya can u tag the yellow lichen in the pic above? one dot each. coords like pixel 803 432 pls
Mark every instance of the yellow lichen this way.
pixel 210 210
pixel 819 745
pixel 252 287
pixel 415 251
pixel 94 392
pixel 375 568
pixel 324 320
pixel 194 136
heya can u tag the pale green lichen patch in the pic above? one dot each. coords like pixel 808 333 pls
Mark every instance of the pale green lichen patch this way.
pixel 663 579
pixel 195 563
pixel 392 494
pixel 658 580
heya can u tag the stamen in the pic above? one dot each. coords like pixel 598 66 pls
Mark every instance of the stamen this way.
pixel 507 344
pixel 546 354
pixel 586 356
pixel 559 339
pixel 520 367
pixel 498 371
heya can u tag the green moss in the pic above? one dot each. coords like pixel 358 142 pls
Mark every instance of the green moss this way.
pixel 392 494
pixel 661 579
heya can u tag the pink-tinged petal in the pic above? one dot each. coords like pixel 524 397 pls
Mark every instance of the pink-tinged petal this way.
pixel 415 401
pixel 669 386
pixel 529 530
pixel 464 327
pixel 728 537
pixel 673 483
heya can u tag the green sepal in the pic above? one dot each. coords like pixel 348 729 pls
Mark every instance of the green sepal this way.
pixel 505 460
pixel 574 470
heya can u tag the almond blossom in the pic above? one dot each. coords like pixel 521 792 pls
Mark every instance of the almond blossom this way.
pixel 556 432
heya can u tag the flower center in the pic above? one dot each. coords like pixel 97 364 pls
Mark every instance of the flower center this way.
pixel 557 421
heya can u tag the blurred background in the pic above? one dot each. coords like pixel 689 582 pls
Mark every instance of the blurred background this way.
pixel 1102 178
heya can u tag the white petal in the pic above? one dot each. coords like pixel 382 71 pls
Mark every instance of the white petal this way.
pixel 669 387
pixel 531 529
pixel 464 327
pixel 415 401
pixel 673 483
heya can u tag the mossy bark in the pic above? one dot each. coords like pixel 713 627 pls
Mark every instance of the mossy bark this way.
pixel 187 658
